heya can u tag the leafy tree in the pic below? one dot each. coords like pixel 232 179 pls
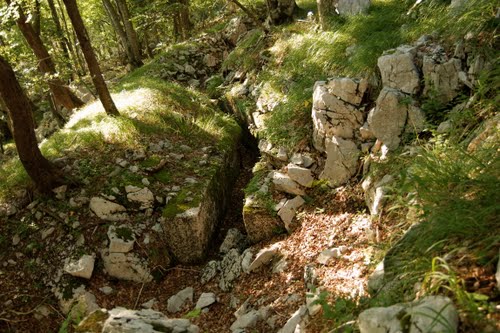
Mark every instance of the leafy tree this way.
pixel 88 52
pixel 41 171
pixel 63 96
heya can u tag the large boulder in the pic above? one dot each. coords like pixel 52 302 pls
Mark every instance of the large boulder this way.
pixel 442 78
pixel 126 267
pixel 388 119
pixel 188 234
pixel 353 7
pixel 333 116
pixel 121 320
pixel 341 161
pixel 432 314
pixel 399 71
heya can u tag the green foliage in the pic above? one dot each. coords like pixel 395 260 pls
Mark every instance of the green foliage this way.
pixel 192 314
pixel 245 56
pixel 341 312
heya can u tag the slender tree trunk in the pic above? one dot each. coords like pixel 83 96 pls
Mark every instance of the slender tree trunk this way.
pixel 182 23
pixel 71 40
pixel 149 50
pixel 37 18
pixel 88 52
pixel 120 31
pixel 62 94
pixel 42 172
pixel 130 31
pixel 63 41
pixel 325 9
pixel 280 11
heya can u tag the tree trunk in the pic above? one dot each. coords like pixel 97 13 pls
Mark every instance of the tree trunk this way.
pixel 63 41
pixel 37 18
pixel 247 11
pixel 71 40
pixel 130 31
pixel 182 22
pixel 42 172
pixel 325 9
pixel 120 31
pixel 280 11
pixel 88 53
pixel 62 94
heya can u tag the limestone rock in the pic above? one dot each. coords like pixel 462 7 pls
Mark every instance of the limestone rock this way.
pixel 210 271
pixel 376 192
pixel 295 320
pixel 123 320
pixel 176 302
pixel 341 162
pixel 332 117
pixel 235 29
pixel 387 120
pixel 376 279
pixel 234 240
pixel 248 320
pixel 143 196
pixel 399 71
pixel 121 239
pixel 353 7
pixel 442 79
pixel 300 175
pixel 284 183
pixel 108 210
pixel 287 212
pixel 326 255
pixel 80 304
pixel 416 120
pixel 205 300
pixel 432 314
pixel 82 267
pixel 349 90
pixel 125 267
pixel 230 268
pixel 265 256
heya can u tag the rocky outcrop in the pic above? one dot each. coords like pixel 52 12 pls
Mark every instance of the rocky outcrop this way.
pixel 399 71
pixel 124 320
pixel 353 7
pixel 341 161
pixel 431 314
pixel 187 234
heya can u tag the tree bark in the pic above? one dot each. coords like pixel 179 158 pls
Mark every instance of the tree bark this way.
pixel 325 9
pixel 280 11
pixel 62 94
pixel 88 53
pixel 120 31
pixel 182 21
pixel 41 171
pixel 130 31
pixel 63 41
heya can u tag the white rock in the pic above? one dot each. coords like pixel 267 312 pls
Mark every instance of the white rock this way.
pixel 288 211
pixel 176 302
pixel 125 267
pixel 60 191
pixel 106 290
pixel 294 321
pixel 143 196
pixel 118 244
pixel 300 175
pixel 82 267
pixel 326 255
pixel 432 314
pixel 234 240
pixel 387 120
pixel 149 304
pixel 441 79
pixel 376 279
pixel 399 71
pixel 47 232
pixel 342 161
pixel 205 300
pixel 15 240
pixel 108 210
pixel 353 7
pixel 246 260
pixel 248 320
pixel 285 184
pixel 264 257
pixel 347 89
pixel 143 321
